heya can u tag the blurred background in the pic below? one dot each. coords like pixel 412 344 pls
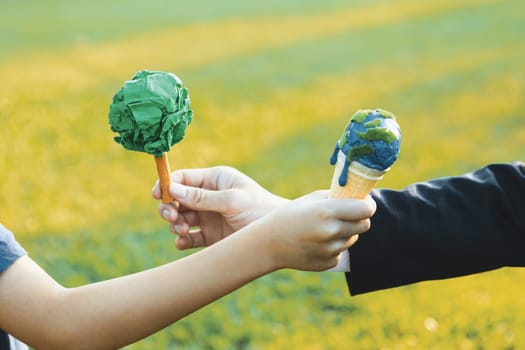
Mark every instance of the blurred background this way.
pixel 272 85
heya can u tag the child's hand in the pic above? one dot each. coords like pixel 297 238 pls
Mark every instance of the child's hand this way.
pixel 213 202
pixel 309 233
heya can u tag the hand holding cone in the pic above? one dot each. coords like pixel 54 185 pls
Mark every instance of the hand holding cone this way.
pixel 365 152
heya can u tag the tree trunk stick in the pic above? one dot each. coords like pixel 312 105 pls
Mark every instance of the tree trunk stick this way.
pixel 163 169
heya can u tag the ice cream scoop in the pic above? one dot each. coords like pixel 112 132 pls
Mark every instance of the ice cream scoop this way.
pixel 150 113
pixel 364 153
pixel 370 144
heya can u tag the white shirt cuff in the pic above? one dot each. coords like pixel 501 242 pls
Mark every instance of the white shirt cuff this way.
pixel 343 265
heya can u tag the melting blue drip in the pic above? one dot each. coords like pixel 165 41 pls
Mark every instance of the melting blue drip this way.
pixel 343 178
pixel 333 158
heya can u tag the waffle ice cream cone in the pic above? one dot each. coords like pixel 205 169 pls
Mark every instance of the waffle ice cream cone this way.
pixel 363 154
pixel 360 181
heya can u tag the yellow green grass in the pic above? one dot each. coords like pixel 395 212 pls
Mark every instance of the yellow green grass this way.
pixel 271 91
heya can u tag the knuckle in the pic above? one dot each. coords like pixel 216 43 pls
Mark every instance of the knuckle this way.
pixel 223 169
pixel 325 213
pixel 197 196
pixel 177 176
pixel 219 168
pixel 333 228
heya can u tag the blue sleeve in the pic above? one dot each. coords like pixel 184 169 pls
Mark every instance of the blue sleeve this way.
pixel 443 228
pixel 10 250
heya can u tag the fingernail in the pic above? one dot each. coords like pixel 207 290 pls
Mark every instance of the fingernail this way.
pixel 166 214
pixel 178 190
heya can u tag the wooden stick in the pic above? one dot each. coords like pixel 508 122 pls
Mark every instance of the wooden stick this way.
pixel 163 169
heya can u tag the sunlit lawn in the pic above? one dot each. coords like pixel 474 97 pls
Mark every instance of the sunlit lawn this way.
pixel 272 85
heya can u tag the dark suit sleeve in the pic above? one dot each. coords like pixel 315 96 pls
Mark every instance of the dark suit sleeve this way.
pixel 443 228
pixel 4 340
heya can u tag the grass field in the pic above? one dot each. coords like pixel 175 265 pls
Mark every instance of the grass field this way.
pixel 272 84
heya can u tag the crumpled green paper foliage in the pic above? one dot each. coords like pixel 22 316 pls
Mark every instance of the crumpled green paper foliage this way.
pixel 150 112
